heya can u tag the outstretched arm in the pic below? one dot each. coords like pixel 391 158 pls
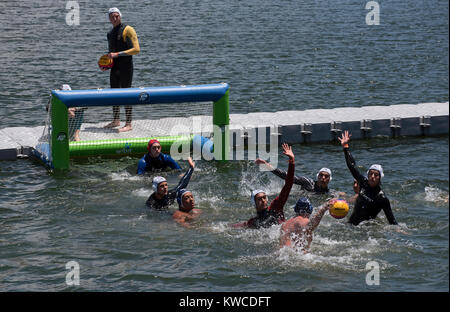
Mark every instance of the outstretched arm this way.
pixel 304 182
pixel 278 203
pixel 315 220
pixel 351 164
pixel 260 161
pixel 186 178
pixel 287 150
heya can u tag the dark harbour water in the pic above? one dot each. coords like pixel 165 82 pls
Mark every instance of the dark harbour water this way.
pixel 276 56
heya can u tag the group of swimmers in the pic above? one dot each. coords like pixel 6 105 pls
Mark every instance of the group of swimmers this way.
pixel 369 198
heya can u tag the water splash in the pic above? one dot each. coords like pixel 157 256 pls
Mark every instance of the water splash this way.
pixel 436 195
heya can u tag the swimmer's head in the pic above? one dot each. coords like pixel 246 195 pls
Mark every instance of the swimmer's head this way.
pixel 259 198
pixel 374 175
pixel 377 168
pixel 66 87
pixel 156 183
pixel 114 16
pixel 324 177
pixel 303 206
pixel 114 10
pixel 185 200
pixel 154 148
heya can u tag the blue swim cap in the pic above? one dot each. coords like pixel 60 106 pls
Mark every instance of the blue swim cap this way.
pixel 180 194
pixel 303 205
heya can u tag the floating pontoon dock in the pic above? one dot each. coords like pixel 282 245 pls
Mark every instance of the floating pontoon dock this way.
pixel 294 127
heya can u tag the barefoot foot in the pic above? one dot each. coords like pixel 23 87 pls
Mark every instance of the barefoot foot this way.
pixel 113 124
pixel 125 128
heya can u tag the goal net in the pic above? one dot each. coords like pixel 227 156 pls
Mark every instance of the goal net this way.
pixel 77 121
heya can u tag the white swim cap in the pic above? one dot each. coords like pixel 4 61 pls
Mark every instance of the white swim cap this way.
pixel 254 193
pixel 156 181
pixel 377 168
pixel 66 87
pixel 114 10
pixel 324 170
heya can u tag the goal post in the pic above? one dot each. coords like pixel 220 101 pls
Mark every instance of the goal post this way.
pixel 61 149
pixel 221 122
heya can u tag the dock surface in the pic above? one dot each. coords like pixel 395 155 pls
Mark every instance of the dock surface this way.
pixel 293 127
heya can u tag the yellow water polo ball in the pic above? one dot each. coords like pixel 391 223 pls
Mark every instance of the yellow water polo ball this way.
pixel 339 209
pixel 105 62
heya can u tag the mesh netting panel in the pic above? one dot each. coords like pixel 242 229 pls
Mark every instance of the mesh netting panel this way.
pixel 43 146
pixel 148 121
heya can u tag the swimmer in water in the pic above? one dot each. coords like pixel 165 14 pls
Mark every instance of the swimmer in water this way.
pixel 319 186
pixel 266 215
pixel 297 232
pixel 186 211
pixel 162 197
pixel 371 198
pixel 154 159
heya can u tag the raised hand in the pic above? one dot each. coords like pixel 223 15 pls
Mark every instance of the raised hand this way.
pixel 345 138
pixel 260 161
pixel 287 150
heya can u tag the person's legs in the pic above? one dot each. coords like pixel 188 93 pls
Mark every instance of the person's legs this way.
pixel 79 118
pixel 76 136
pixel 114 80
pixel 128 114
pixel 72 129
pixel 126 80
pixel 75 125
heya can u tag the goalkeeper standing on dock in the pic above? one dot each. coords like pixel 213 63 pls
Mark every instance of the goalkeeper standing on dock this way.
pixel 122 45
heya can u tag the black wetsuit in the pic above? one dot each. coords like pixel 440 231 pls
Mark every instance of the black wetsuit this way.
pixel 370 200
pixel 122 71
pixel 169 199
pixel 274 214
pixel 264 219
pixel 305 183
pixel 121 75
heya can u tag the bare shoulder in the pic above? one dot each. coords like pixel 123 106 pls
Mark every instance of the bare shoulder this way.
pixel 294 224
pixel 181 216
pixel 195 211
